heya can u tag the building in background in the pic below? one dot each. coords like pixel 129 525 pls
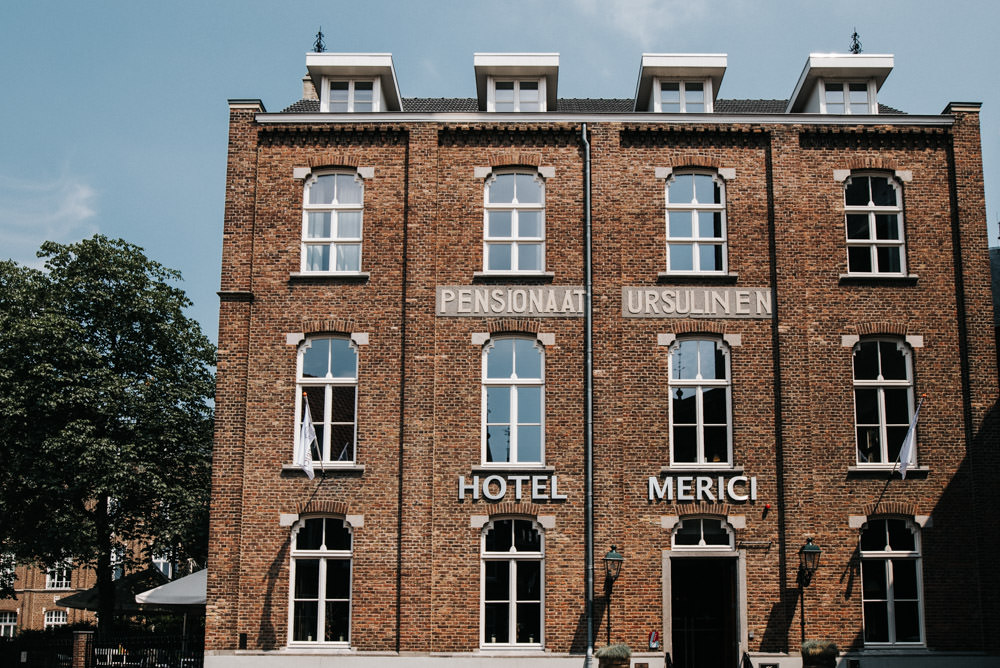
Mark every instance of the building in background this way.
pixel 36 594
pixel 776 284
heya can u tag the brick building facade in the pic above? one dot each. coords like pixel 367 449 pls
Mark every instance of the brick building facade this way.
pixel 37 593
pixel 773 286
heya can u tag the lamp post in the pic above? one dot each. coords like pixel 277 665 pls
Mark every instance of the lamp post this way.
pixel 808 563
pixel 612 569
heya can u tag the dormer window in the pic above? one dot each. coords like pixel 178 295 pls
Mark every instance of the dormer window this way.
pixel 350 95
pixel 517 95
pixel 683 97
pixel 849 97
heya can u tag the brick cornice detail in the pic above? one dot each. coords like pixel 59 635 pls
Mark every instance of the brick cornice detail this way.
pixel 692 326
pixel 323 508
pixel 511 508
pixel 335 159
pixel 871 163
pixel 885 327
pixel 898 508
pixel 331 326
pixel 512 326
pixel 515 158
pixel 694 161
pixel 720 510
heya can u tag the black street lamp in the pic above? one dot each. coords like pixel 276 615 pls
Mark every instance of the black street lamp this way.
pixel 612 569
pixel 808 561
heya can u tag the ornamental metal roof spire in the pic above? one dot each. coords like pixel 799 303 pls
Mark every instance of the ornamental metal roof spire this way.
pixel 855 42
pixel 319 46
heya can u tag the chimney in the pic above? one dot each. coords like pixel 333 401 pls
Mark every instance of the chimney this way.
pixel 308 89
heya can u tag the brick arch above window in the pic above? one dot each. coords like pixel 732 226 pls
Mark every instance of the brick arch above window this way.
pixel 511 509
pixel 337 326
pixel 884 327
pixel 873 162
pixel 515 158
pixel 891 509
pixel 335 159
pixel 512 326
pixel 315 507
pixel 715 511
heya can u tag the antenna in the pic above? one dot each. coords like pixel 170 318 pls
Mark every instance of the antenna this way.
pixel 855 42
pixel 319 46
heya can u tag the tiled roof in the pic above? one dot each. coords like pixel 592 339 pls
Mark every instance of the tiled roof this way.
pixel 440 104
pixel 750 106
pixel 302 107
pixel 595 105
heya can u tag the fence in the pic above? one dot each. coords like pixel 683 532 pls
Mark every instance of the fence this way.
pixel 147 651
pixel 36 652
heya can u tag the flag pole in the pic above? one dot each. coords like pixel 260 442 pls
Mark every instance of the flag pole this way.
pixel 902 462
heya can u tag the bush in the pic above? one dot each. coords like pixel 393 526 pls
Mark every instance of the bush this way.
pixel 616 651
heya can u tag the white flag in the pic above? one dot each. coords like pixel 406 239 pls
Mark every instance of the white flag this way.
pixel 906 451
pixel 307 435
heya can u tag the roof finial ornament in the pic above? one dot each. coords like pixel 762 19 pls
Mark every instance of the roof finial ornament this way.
pixel 855 42
pixel 319 46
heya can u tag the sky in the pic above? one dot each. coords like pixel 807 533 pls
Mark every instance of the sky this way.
pixel 113 114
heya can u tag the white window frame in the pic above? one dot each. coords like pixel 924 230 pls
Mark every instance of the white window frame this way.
pixel 59 576
pixel 696 241
pixel 322 554
pixel 700 384
pixel 702 546
pixel 890 556
pixel 706 90
pixel 516 239
pixel 54 618
pixel 333 241
pixel 327 383
pixel 376 94
pixel 880 385
pixel 513 557
pixel 871 210
pixel 491 92
pixel 513 382
pixel 846 83
pixel 8 623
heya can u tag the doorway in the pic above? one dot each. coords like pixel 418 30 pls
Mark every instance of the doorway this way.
pixel 704 623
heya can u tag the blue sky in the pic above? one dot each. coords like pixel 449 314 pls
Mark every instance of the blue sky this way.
pixel 114 114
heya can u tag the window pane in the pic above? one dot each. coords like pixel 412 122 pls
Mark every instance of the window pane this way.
pixel 337 535
pixel 502 189
pixel 714 405
pixel 685 444
pixel 888 259
pixel 681 257
pixel 310 536
pixel 857 226
pixel 684 360
pixel 866 406
pixel 710 257
pixel 670 96
pixel 883 194
pixel 904 579
pixel 338 579
pixel 315 359
pixel 337 620
pixel 876 622
pixel 497 585
pixel 907 621
pixel 529 581
pixel 866 360
pixel 529 443
pixel 704 188
pixel 680 223
pixel 498 405
pixel 529 257
pixel 317 258
pixel 689 533
pixel 321 190
pixel 873 538
pixel 306 619
pixel 318 225
pixel 529 623
pixel 498 539
pixel 307 578
pixel 887 226
pixel 869 445
pixel 342 443
pixel 339 93
pixel 348 189
pixel 897 406
pixel 714 533
pixel 528 359
pixel 681 191
pixel 716 444
pixel 349 225
pixel 498 257
pixel 894 437
pixel 859 259
pixel 873 579
pixel 893 360
pixel 500 359
pixel 363 96
pixel 498 443
pixel 713 362
pixel 856 192
pixel 900 536
pixel 529 191
pixel 710 224
pixel 529 404
pixel 529 224
pixel 499 224
pixel 342 409
pixel 526 537
pixel 348 257
pixel 685 405
pixel 495 622
pixel 344 360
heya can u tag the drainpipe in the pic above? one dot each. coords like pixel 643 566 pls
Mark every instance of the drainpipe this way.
pixel 588 398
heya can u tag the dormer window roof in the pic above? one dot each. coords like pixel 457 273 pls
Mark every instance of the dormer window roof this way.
pixel 679 82
pixel 840 83
pixel 516 82
pixel 354 82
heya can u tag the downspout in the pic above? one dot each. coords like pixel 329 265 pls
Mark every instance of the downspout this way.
pixel 588 399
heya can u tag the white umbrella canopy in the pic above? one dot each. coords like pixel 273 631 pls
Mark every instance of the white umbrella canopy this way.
pixel 188 590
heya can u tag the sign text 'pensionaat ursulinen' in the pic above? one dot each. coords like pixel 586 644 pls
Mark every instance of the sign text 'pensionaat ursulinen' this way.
pixel 503 300
pixel 695 302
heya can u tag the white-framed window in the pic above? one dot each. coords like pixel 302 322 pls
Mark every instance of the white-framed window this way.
pixel 891 582
pixel 883 399
pixel 700 403
pixel 849 97
pixel 165 564
pixel 328 375
pixel 332 210
pixel 55 618
pixel 696 223
pixel 516 94
pixel 683 96
pixel 873 214
pixel 350 95
pixel 8 624
pixel 514 222
pixel 513 401
pixel 320 609
pixel 513 584
pixel 58 576
pixel 702 533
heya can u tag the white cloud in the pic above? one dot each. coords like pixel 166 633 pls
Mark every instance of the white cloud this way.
pixel 647 22
pixel 31 212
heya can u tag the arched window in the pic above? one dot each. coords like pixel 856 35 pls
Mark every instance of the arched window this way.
pixel 513 577
pixel 696 223
pixel 883 399
pixel 514 229
pixel 708 533
pixel 331 223
pixel 873 211
pixel 700 403
pixel 513 401
pixel 891 582
pixel 321 582
pixel 328 374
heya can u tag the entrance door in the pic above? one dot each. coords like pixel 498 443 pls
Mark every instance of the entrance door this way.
pixel 703 608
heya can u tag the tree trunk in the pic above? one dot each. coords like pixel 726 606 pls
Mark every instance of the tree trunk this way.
pixel 105 583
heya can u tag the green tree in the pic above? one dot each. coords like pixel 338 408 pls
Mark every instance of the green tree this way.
pixel 105 411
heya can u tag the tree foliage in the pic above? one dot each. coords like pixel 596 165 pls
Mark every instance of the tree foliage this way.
pixel 105 409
